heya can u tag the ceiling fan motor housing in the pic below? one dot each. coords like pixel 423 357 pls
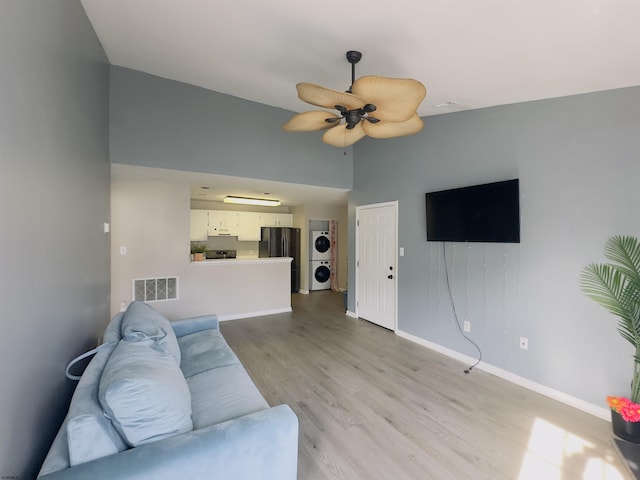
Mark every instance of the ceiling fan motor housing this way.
pixel 355 116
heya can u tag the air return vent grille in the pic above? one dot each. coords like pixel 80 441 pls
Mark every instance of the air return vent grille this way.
pixel 155 289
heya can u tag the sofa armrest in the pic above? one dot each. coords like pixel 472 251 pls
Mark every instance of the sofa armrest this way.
pixel 259 446
pixel 190 325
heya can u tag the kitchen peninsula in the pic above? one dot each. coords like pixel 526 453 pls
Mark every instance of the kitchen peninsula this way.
pixel 243 287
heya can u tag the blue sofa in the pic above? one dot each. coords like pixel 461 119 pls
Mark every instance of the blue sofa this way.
pixel 166 400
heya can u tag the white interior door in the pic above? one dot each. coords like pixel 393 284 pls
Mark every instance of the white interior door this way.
pixel 376 231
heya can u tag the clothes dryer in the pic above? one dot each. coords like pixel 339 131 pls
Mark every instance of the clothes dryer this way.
pixel 321 245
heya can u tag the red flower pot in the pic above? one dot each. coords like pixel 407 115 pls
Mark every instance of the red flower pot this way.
pixel 629 431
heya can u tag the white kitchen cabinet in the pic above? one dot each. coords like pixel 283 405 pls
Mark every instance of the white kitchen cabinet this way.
pixel 244 225
pixel 284 219
pixel 223 222
pixel 276 219
pixel 199 225
pixel 268 219
pixel 249 226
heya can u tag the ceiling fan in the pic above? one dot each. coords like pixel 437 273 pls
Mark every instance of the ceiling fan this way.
pixel 379 107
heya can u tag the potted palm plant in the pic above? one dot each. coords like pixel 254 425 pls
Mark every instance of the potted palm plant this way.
pixel 616 286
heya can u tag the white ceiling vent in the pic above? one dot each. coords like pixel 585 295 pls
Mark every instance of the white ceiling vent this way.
pixel 155 289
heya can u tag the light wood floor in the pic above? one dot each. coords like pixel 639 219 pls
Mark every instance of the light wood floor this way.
pixel 372 405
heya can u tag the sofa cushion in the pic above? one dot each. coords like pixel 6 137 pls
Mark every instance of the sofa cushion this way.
pixel 89 434
pixel 58 455
pixel 190 325
pixel 142 320
pixel 204 350
pixel 144 393
pixel 91 437
pixel 222 394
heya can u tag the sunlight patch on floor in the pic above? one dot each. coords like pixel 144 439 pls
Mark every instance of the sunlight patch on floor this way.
pixel 551 448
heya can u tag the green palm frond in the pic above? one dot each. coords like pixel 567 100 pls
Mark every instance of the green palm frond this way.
pixel 625 251
pixel 605 284
pixel 617 286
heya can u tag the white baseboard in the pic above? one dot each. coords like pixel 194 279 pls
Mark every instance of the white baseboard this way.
pixel 587 407
pixel 262 313
pixel 351 314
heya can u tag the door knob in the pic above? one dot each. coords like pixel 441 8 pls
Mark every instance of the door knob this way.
pixel 390 277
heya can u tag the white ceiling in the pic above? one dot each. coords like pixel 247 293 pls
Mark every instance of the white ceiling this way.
pixel 477 53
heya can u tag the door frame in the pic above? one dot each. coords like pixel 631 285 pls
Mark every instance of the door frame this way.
pixel 359 208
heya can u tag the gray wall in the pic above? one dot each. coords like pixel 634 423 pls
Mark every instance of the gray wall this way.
pixel 577 160
pixel 157 122
pixel 54 199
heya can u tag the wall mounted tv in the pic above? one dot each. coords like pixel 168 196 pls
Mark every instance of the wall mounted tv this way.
pixel 479 213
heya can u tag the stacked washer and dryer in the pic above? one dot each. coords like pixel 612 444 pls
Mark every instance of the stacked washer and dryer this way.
pixel 320 255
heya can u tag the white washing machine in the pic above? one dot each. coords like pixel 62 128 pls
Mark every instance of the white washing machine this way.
pixel 320 245
pixel 320 275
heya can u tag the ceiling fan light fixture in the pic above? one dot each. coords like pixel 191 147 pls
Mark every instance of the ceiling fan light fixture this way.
pixel 264 202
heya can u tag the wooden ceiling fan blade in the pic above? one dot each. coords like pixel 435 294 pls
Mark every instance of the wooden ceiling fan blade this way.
pixel 393 129
pixel 327 98
pixel 396 99
pixel 340 136
pixel 310 121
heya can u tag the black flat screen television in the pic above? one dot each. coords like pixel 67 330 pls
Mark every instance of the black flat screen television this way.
pixel 480 213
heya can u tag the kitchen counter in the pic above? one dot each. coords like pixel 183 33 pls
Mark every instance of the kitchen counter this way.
pixel 243 260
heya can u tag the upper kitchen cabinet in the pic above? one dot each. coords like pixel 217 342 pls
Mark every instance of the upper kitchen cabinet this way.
pixel 244 225
pixel 249 226
pixel 199 225
pixel 223 222
pixel 276 219
pixel 284 220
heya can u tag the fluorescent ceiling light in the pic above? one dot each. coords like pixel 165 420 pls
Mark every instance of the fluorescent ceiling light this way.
pixel 252 201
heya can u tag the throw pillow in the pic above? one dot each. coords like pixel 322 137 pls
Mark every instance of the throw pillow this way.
pixel 141 320
pixel 144 393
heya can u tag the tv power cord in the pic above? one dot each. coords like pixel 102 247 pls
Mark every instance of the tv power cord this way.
pixel 455 313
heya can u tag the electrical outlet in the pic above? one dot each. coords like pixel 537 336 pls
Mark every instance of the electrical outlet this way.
pixel 524 343
pixel 467 326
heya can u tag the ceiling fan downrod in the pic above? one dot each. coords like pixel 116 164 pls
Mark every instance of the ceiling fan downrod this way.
pixel 353 57
pixel 354 117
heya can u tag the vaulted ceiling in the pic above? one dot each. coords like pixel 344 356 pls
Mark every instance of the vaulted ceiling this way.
pixel 476 53
pixel 469 53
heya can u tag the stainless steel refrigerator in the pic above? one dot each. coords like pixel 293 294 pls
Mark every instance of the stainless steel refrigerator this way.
pixel 283 242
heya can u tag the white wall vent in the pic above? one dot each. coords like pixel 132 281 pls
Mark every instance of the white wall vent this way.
pixel 155 289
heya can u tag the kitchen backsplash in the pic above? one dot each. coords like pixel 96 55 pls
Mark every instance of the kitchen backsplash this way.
pixel 243 249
